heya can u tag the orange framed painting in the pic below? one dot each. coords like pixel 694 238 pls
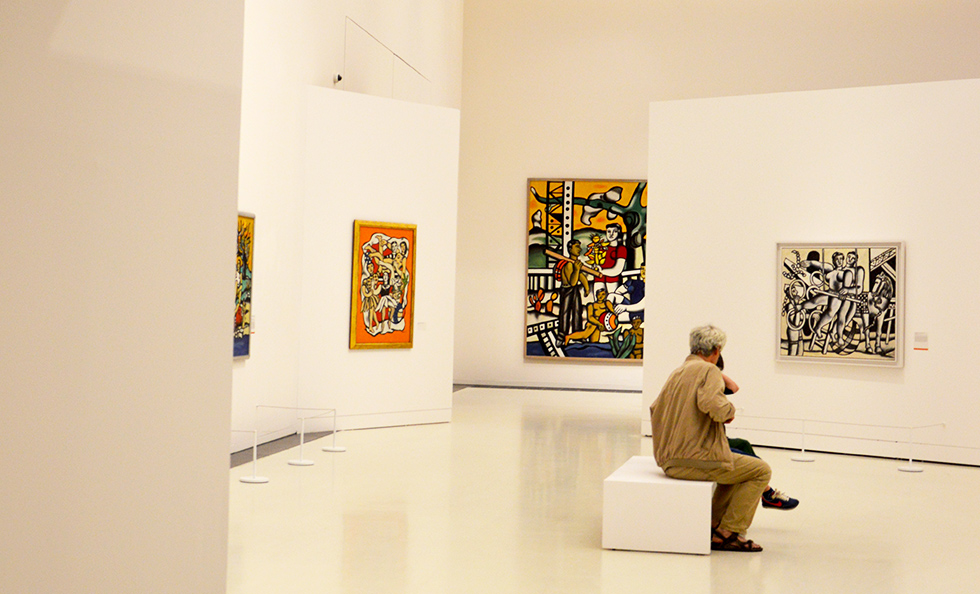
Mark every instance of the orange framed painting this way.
pixel 382 311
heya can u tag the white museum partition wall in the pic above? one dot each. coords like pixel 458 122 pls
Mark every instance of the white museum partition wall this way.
pixel 376 159
pixel 118 184
pixel 731 177
pixel 288 46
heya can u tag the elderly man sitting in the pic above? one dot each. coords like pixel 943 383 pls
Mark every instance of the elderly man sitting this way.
pixel 689 441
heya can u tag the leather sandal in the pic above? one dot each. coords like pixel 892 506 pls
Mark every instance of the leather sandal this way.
pixel 732 543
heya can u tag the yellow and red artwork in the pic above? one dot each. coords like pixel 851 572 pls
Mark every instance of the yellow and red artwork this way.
pixel 586 248
pixel 243 285
pixel 382 285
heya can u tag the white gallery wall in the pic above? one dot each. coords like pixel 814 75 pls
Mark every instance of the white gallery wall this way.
pixel 404 49
pixel 553 88
pixel 119 126
pixel 733 176
pixel 376 159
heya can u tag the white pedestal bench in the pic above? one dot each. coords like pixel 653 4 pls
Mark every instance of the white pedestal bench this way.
pixel 645 510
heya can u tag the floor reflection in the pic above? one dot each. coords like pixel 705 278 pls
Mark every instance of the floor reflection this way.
pixel 507 499
pixel 375 555
pixel 564 457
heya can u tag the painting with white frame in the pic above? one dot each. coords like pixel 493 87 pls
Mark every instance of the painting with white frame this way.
pixel 841 303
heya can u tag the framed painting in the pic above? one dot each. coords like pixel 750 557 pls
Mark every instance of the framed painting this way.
pixel 841 303
pixel 243 284
pixel 586 248
pixel 382 286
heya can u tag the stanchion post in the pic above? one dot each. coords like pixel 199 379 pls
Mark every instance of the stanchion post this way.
pixel 255 480
pixel 302 438
pixel 910 467
pixel 334 447
pixel 802 456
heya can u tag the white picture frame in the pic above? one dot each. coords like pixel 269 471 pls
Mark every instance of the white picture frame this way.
pixel 841 303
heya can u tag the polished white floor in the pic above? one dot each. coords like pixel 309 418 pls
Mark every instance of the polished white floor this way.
pixel 508 499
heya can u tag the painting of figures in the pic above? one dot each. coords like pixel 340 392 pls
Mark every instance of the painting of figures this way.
pixel 841 303
pixel 382 286
pixel 586 248
pixel 243 284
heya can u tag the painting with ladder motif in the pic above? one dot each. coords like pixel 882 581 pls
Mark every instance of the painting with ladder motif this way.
pixel 586 248
pixel 840 302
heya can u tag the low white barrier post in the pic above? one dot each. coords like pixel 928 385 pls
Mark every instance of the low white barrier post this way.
pixel 334 447
pixel 255 454
pixel 302 438
pixel 802 456
pixel 910 467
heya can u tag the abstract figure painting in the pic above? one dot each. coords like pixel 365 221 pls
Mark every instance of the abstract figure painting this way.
pixel 243 284
pixel 586 248
pixel 841 302
pixel 383 286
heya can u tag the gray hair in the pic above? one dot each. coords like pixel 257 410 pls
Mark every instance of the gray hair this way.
pixel 705 339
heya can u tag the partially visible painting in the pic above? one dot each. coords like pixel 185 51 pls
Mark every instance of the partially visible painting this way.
pixel 586 248
pixel 243 284
pixel 841 302
pixel 382 311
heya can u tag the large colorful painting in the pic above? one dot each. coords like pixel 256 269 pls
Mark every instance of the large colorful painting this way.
pixel 841 302
pixel 586 248
pixel 383 286
pixel 243 284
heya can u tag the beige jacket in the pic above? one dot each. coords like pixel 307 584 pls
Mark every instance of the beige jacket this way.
pixel 688 418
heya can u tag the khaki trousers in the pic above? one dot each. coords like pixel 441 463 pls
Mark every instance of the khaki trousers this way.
pixel 737 496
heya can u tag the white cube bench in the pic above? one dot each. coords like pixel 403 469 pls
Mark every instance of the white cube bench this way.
pixel 645 510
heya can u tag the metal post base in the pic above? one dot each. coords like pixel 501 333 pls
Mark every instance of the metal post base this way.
pixel 254 480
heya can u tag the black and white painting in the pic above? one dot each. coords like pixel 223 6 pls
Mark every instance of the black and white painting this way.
pixel 841 302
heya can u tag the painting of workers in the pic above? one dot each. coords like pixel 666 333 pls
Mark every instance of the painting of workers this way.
pixel 586 242
pixel 243 285
pixel 841 303
pixel 382 286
